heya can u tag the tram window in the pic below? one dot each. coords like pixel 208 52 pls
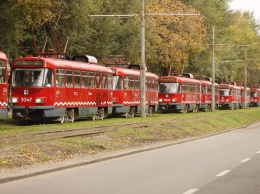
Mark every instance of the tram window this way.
pixel 48 79
pixel 147 82
pixel 110 85
pixel 132 83
pixel 137 83
pixel 104 81
pixel 69 80
pixel 254 94
pixel 98 80
pixel 84 79
pixel 224 92
pixel 117 83
pixel 169 87
pixel 91 80
pixel 126 80
pixel 60 78
pixel 76 79
pixel 155 85
pixel 2 72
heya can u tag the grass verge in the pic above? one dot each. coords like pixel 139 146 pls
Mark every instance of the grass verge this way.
pixel 153 129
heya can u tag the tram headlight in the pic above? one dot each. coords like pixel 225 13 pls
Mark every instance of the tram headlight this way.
pixel 174 100
pixel 227 100
pixel 160 100
pixel 38 100
pixel 14 100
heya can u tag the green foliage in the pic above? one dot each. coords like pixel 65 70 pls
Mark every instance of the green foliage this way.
pixel 178 42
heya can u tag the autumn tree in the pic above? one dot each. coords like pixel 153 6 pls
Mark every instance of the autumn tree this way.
pixel 174 34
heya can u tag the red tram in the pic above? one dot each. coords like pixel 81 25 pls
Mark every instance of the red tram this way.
pixel 126 87
pixel 230 96
pixel 254 97
pixel 179 93
pixel 49 88
pixel 3 86
pixel 243 95
pixel 206 94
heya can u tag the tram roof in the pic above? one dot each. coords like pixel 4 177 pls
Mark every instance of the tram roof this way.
pixel 229 86
pixel 132 72
pixel 178 79
pixel 3 55
pixel 66 64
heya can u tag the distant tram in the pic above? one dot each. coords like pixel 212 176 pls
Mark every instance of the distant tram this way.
pixel 229 96
pixel 46 88
pixel 206 94
pixel 245 93
pixel 126 87
pixel 3 86
pixel 254 97
pixel 179 93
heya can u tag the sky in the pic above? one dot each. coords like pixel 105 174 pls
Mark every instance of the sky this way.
pixel 247 5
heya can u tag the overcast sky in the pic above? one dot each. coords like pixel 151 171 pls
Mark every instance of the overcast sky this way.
pixel 247 5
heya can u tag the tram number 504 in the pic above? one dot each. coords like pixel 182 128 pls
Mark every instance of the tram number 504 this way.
pixel 26 99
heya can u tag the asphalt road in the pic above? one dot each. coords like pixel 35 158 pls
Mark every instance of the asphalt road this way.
pixel 223 164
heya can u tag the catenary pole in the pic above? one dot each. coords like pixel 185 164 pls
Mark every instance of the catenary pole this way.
pixel 143 65
pixel 213 71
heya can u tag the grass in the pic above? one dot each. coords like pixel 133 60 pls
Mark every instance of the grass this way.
pixel 153 129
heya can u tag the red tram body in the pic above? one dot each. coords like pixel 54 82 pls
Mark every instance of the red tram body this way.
pixel 254 97
pixel 126 91
pixel 3 86
pixel 206 94
pixel 230 96
pixel 243 95
pixel 50 88
pixel 179 94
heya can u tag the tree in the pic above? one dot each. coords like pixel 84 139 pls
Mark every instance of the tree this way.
pixel 173 34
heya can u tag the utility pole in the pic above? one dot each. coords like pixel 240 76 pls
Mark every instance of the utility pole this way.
pixel 245 79
pixel 143 64
pixel 213 91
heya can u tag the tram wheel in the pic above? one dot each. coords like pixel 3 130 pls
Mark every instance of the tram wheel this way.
pixel 185 109
pixel 70 116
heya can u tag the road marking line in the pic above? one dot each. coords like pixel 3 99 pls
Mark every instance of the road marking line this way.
pixel 245 160
pixel 258 152
pixel 223 173
pixel 191 191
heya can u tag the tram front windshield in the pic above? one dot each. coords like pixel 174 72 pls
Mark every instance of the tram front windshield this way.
pixel 169 88
pixel 254 94
pixel 224 92
pixel 41 77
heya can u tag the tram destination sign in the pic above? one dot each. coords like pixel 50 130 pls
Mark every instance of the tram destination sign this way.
pixel 29 62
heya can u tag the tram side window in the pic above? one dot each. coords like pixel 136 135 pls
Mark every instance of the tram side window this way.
pixel 91 80
pixel 117 83
pixel 156 85
pixel 110 85
pixel 126 80
pixel 60 78
pixel 137 83
pixel 69 78
pixel 84 77
pixel 2 72
pixel 132 83
pixel 76 81
pixel 98 80
pixel 104 81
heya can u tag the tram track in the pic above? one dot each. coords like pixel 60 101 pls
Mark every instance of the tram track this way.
pixel 59 134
